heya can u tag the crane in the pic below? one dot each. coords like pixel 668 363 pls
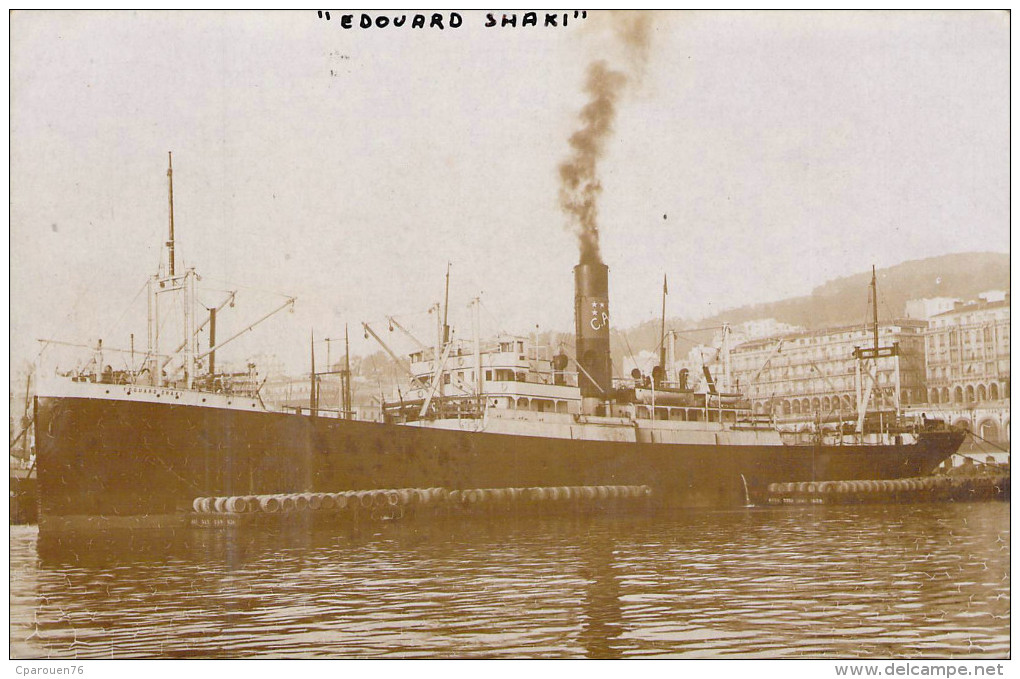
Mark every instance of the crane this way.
pixel 778 349
pixel 394 324
pixel 212 314
pixel 396 359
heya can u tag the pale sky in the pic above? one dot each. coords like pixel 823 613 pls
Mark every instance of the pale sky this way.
pixel 758 156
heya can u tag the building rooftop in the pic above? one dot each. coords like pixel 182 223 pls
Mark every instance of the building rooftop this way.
pixel 975 306
pixel 883 325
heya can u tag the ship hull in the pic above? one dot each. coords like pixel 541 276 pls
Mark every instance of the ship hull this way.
pixel 133 462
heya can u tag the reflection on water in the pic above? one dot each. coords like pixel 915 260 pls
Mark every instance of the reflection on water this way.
pixel 880 581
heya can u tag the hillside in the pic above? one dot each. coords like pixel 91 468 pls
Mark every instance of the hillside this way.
pixel 844 301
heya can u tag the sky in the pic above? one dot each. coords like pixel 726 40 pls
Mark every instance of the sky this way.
pixel 750 157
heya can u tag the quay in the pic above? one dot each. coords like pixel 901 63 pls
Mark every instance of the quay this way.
pixel 392 504
pixel 994 486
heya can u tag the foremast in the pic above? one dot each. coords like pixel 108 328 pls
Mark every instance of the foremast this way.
pixel 867 363
pixel 168 288
pixel 162 286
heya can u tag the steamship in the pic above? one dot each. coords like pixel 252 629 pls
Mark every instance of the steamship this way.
pixel 135 447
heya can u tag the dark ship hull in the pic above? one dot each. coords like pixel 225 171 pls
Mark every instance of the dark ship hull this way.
pixel 23 502
pixel 140 463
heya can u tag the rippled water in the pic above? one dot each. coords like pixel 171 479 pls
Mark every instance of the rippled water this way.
pixel 926 581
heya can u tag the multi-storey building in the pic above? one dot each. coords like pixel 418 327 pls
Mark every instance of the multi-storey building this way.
pixel 802 375
pixel 967 352
pixel 924 309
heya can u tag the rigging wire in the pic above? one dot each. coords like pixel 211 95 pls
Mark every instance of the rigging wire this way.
pixel 252 288
pixel 867 311
pixel 116 324
pixel 992 444
pixel 688 338
pixel 627 343
pixel 890 316
pixel 115 327
pixel 495 321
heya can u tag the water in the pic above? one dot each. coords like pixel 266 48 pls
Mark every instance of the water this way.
pixel 920 581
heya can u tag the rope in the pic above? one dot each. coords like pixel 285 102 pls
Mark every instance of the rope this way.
pixel 116 324
pixel 973 459
pixel 993 445
pixel 945 408
pixel 938 408
pixel 867 310
pixel 495 321
pixel 585 372
pixel 232 286
pixel 691 339
pixel 627 343
pixel 888 310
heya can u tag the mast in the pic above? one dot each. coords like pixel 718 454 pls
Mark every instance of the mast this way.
pixel 212 342
pixel 25 421
pixel 726 356
pixel 167 360
pixel 671 373
pixel 873 353
pixel 168 282
pixel 170 241
pixel 446 307
pixel 662 331
pixel 311 394
pixel 152 349
pixel 476 302
pixel 348 409
pixel 874 303
pixel 437 372
pixel 190 335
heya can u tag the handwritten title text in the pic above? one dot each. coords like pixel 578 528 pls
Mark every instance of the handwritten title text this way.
pixel 453 20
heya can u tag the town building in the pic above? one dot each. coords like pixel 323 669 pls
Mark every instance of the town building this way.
pixel 967 368
pixel 925 309
pixel 760 328
pixel 803 375
pixel 967 350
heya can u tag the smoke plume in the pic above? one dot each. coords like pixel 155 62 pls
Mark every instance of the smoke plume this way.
pixel 580 185
pixel 579 178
